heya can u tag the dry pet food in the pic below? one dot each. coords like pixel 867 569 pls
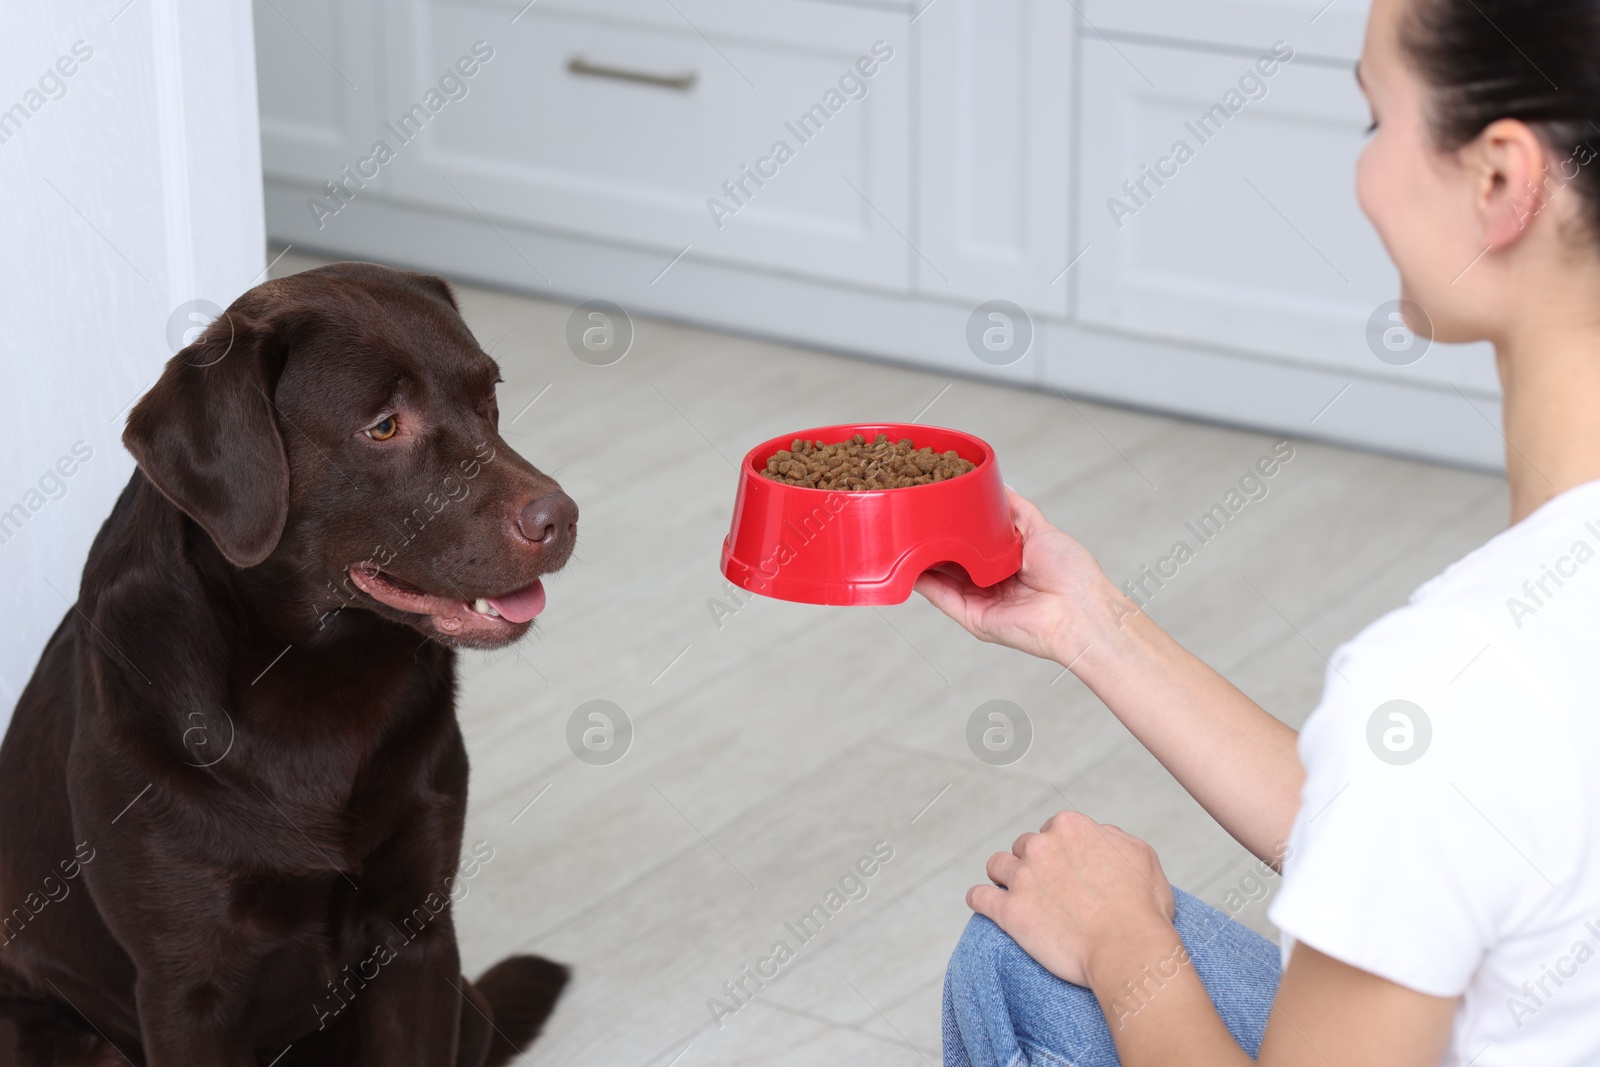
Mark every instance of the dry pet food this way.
pixel 855 465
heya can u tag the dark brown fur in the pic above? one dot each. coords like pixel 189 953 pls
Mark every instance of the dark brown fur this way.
pixel 235 774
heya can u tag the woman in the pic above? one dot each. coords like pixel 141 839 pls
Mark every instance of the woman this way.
pixel 1440 827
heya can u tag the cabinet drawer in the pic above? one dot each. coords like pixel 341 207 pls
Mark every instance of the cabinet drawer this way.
pixel 1331 28
pixel 1253 240
pixel 741 132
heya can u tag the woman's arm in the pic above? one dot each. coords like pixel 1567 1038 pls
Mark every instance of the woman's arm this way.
pixel 1231 755
pixel 1326 1012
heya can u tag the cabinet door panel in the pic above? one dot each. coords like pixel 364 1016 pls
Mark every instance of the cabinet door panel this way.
pixel 1253 240
pixel 317 85
pixel 629 122
pixel 995 121
pixel 1317 27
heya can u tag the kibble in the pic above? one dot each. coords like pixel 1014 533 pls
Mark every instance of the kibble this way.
pixel 858 466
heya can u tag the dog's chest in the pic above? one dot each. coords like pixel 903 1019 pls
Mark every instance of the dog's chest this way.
pixel 361 760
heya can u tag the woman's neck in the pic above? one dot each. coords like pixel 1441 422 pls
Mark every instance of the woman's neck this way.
pixel 1550 373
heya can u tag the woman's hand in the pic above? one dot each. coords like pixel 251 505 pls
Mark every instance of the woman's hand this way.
pixel 1047 608
pixel 1078 893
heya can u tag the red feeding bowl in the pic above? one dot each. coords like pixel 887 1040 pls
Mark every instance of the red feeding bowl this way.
pixel 818 546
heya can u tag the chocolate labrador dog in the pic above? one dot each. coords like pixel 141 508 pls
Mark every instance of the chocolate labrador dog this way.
pixel 232 795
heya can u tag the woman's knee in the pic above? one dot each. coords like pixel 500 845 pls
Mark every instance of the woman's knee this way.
pixel 978 952
pixel 1001 1002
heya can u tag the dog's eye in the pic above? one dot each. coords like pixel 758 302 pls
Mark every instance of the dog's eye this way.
pixel 385 429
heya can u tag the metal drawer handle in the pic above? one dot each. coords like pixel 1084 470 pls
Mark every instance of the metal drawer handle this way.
pixel 681 82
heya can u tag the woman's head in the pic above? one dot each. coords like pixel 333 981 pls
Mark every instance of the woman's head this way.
pixel 1486 151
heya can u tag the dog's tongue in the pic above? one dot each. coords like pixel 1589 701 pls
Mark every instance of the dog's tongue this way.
pixel 521 605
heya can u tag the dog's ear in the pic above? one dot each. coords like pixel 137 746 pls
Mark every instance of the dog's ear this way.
pixel 438 287
pixel 206 437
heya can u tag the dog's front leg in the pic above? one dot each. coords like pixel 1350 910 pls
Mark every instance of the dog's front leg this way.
pixel 411 1010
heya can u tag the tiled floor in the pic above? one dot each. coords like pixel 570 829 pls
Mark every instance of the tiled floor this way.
pixel 771 751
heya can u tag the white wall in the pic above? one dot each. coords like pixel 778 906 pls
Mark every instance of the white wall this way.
pixel 126 189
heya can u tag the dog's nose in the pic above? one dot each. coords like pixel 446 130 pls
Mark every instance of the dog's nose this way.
pixel 549 519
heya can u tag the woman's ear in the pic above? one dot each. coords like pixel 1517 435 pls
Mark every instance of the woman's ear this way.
pixel 1516 184
pixel 205 435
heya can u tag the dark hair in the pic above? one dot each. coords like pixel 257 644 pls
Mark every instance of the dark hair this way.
pixel 1533 60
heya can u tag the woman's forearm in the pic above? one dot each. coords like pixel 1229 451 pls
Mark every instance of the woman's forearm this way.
pixel 1157 1009
pixel 1231 755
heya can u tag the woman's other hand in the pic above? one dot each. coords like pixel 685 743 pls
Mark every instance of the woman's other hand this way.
pixel 1077 894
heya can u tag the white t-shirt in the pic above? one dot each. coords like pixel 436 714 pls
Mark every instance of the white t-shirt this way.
pixel 1455 850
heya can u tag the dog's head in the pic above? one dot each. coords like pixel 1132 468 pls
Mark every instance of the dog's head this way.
pixel 341 423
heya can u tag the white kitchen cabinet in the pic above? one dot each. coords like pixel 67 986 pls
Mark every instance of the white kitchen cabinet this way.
pixel 1238 229
pixel 625 150
pixel 994 95
pixel 774 135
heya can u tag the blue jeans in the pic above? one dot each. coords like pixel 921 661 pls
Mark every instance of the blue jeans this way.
pixel 1001 1009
